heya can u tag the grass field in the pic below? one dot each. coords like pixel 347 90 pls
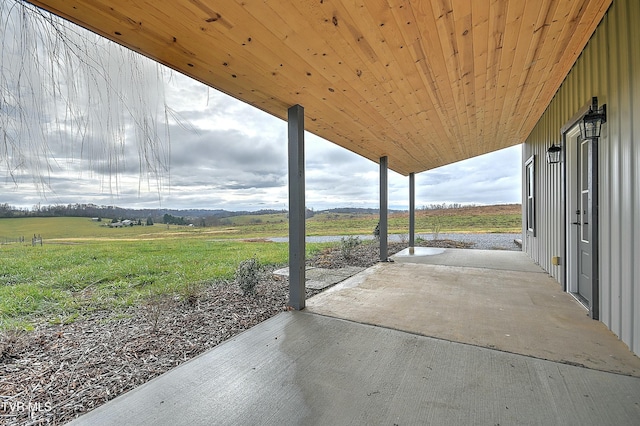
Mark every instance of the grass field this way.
pixel 502 218
pixel 61 281
pixel 82 228
pixel 84 266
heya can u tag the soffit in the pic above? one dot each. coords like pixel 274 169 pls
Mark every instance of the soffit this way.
pixel 426 83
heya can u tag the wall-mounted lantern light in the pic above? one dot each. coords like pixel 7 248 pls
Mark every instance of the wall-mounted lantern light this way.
pixel 554 154
pixel 592 121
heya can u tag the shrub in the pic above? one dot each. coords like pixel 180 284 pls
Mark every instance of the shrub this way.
pixel 11 343
pixel 436 226
pixel 348 244
pixel 376 232
pixel 155 307
pixel 191 292
pixel 248 275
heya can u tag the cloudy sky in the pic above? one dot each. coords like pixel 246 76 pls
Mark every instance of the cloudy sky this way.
pixel 228 155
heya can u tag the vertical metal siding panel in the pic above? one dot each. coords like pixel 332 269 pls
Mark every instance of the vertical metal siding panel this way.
pixel 539 201
pixel 542 205
pixel 554 194
pixel 547 176
pixel 534 240
pixel 610 170
pixel 525 238
pixel 610 69
pixel 554 190
pixel 613 128
pixel 523 194
pixel 579 98
pixel 558 213
pixel 549 240
pixel 526 153
pixel 634 31
pixel 568 93
pixel 566 90
pixel 547 188
pixel 600 46
pixel 566 113
pixel 538 216
pixel 547 194
pixel 626 194
pixel 580 89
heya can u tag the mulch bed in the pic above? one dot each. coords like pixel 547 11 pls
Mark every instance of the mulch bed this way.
pixel 58 372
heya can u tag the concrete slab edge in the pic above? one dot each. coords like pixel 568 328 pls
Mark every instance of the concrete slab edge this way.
pixel 563 362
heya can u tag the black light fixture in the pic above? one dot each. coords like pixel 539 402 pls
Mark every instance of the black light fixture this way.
pixel 592 121
pixel 554 154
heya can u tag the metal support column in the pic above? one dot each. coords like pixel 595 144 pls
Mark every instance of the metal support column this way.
pixel 384 208
pixel 412 209
pixel 296 208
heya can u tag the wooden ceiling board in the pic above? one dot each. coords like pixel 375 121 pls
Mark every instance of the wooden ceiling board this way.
pixel 319 50
pixel 398 105
pixel 426 83
pixel 426 54
pixel 406 83
pixel 561 26
pixel 546 32
pixel 433 67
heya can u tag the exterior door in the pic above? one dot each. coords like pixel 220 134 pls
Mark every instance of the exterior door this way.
pixel 584 238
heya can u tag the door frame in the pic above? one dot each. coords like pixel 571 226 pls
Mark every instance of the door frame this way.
pixel 571 199
pixel 568 170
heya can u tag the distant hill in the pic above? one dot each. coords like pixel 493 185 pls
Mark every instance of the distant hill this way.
pixel 114 212
pixel 473 210
pixel 354 210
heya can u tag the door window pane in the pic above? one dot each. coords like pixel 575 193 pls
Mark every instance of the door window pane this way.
pixel 584 229
pixel 531 201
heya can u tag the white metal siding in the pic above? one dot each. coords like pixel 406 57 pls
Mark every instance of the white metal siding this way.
pixel 634 15
pixel 608 68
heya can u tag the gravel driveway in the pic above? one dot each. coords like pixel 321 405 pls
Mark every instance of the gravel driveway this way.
pixel 482 241
pixel 479 241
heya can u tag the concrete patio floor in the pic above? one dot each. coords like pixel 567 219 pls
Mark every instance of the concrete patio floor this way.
pixel 494 299
pixel 459 337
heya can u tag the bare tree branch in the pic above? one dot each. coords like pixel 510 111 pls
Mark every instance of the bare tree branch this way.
pixel 70 99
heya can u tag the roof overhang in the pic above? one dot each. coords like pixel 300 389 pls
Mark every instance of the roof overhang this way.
pixel 426 83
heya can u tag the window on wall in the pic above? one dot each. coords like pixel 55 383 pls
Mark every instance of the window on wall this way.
pixel 530 180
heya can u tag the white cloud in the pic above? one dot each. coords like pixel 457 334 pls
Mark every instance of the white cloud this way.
pixel 227 154
pixel 222 164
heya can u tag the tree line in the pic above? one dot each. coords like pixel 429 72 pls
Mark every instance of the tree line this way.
pixel 73 210
pixel 171 216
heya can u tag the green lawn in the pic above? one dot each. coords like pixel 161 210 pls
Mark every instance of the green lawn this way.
pixel 70 227
pixel 344 224
pixel 84 266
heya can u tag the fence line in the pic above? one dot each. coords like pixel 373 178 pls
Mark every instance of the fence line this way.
pixel 11 240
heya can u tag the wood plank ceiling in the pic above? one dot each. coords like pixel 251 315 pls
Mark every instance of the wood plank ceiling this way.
pixel 426 83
